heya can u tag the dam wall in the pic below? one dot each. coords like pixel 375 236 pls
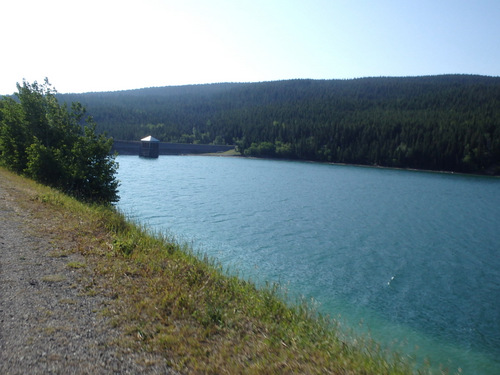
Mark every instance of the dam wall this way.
pixel 133 148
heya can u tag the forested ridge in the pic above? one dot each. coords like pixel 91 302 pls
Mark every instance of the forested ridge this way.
pixel 448 122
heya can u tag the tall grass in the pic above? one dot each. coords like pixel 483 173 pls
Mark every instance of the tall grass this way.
pixel 168 300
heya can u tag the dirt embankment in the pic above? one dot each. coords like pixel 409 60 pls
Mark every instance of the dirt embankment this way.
pixel 51 317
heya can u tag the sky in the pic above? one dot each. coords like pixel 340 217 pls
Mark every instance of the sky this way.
pixel 109 45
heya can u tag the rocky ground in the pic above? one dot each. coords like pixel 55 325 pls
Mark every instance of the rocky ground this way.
pixel 50 321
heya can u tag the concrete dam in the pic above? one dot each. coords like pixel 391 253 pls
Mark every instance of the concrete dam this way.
pixel 134 147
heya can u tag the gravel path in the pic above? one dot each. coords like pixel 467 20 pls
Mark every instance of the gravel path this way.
pixel 49 323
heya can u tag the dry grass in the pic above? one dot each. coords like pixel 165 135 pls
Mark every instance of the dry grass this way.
pixel 75 265
pixel 167 300
pixel 53 278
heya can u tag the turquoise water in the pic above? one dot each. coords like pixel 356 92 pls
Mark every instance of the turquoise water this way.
pixel 414 256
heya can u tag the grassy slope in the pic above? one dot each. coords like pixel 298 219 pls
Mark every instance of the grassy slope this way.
pixel 168 301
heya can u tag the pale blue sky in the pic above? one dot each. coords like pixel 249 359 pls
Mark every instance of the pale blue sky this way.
pixel 99 45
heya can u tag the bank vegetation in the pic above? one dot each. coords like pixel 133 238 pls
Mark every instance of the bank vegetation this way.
pixel 167 300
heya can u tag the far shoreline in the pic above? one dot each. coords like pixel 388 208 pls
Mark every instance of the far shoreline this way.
pixel 235 154
pixel 129 148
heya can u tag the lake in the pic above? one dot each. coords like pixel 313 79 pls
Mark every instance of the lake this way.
pixel 410 257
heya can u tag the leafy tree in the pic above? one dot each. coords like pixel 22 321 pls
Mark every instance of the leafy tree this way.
pixel 56 146
pixel 93 170
pixel 13 135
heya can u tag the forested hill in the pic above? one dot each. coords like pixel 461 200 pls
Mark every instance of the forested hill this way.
pixel 449 122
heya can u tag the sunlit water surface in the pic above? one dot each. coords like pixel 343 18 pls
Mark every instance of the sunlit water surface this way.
pixel 414 256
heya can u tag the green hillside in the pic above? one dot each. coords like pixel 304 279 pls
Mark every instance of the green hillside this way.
pixel 449 122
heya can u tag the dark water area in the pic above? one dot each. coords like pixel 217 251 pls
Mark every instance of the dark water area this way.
pixel 414 256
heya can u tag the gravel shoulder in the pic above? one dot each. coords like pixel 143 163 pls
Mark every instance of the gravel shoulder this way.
pixel 50 320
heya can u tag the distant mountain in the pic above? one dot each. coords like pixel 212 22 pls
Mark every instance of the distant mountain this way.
pixel 448 122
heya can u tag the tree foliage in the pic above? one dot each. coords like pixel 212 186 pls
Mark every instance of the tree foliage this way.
pixel 449 122
pixel 53 145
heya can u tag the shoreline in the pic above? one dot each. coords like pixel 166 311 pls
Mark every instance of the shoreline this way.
pixel 223 154
pixel 128 301
pixel 132 148
pixel 165 148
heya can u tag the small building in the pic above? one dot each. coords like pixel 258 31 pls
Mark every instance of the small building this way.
pixel 150 147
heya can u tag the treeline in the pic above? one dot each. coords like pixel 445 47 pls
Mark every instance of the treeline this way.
pixel 449 122
pixel 56 146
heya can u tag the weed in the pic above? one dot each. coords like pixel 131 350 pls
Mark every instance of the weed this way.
pixel 67 301
pixel 75 265
pixel 50 330
pixel 53 278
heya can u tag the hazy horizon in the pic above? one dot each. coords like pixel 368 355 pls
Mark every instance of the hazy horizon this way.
pixel 111 45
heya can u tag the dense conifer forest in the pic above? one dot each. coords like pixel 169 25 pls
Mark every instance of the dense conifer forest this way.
pixel 449 122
